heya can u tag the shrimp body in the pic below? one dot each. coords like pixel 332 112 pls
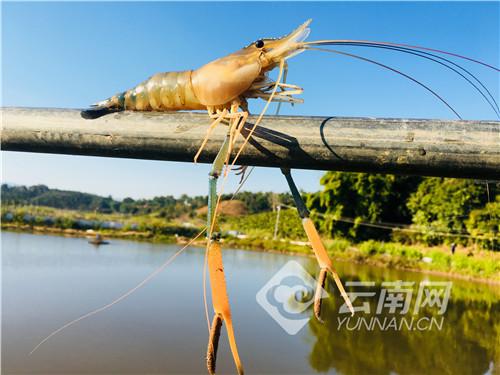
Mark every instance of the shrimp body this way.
pixel 215 86
pixel 169 91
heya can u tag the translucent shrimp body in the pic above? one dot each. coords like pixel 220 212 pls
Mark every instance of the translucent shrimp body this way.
pixel 214 86
pixel 171 91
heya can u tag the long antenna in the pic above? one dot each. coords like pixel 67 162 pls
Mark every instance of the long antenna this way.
pixel 333 41
pixel 123 296
pixel 433 57
pixel 393 70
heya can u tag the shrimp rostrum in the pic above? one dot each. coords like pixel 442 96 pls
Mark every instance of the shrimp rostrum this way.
pixel 223 88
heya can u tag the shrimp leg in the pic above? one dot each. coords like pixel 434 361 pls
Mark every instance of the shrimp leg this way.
pixel 233 123
pixel 220 298
pixel 322 257
pixel 235 128
pixel 218 117
pixel 222 309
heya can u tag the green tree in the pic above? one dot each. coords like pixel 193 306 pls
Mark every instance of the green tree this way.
pixel 362 197
pixel 443 205
pixel 484 224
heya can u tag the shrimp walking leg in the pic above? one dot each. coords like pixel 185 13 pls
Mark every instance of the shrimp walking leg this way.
pixel 240 125
pixel 235 127
pixel 218 117
pixel 220 298
pixel 235 119
pixel 320 252
pixel 233 123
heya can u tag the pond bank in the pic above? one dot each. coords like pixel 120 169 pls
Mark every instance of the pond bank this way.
pixel 478 266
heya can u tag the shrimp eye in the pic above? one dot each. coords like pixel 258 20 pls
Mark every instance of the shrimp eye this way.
pixel 259 43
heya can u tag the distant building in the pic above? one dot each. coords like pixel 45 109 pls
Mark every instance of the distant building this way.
pixel 84 224
pixel 111 225
pixel 237 234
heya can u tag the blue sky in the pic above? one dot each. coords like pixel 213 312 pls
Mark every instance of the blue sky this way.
pixel 73 54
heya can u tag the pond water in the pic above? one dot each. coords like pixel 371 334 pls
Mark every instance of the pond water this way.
pixel 49 280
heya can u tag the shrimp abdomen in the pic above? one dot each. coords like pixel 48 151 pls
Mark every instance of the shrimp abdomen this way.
pixel 169 91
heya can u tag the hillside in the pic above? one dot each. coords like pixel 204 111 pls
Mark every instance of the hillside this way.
pixel 354 206
pixel 166 206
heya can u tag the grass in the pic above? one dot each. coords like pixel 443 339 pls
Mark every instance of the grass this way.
pixel 477 264
pixel 480 264
pixel 465 262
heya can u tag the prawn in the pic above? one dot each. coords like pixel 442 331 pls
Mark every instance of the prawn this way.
pixel 222 88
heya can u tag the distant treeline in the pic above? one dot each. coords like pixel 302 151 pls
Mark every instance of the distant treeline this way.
pixel 167 206
pixel 354 206
pixel 431 209
pixel 407 209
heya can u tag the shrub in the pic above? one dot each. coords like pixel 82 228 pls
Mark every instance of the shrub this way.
pixel 484 223
pixel 442 205
pixel 362 197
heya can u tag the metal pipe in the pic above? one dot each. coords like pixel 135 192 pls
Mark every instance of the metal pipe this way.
pixel 449 148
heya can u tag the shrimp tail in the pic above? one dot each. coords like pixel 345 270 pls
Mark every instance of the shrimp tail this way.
pixel 105 107
pixel 96 112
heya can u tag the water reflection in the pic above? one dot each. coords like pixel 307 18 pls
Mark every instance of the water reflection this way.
pixel 468 342
pixel 47 281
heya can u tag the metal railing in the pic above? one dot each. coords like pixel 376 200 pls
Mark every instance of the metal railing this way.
pixel 469 149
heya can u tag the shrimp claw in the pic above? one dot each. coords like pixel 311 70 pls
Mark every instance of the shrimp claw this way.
pixel 320 252
pixel 221 308
pixel 218 286
pixel 213 343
